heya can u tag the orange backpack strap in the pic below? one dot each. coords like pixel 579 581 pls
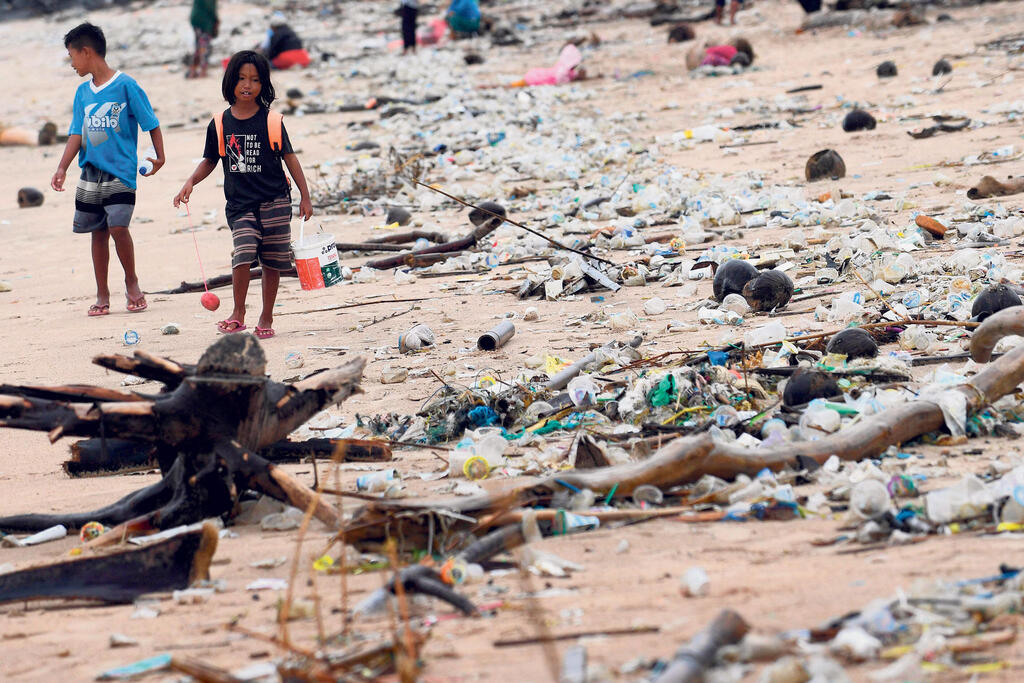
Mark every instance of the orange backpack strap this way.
pixel 218 126
pixel 274 125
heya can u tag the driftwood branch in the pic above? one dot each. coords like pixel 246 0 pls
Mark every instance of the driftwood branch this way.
pixel 461 244
pixel 990 187
pixel 692 660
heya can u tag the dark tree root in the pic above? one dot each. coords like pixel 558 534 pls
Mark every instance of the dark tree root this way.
pixel 206 431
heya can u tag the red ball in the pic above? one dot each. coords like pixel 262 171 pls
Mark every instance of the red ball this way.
pixel 210 301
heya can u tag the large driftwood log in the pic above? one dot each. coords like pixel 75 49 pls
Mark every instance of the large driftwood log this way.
pixel 685 460
pixel 92 456
pixel 121 576
pixel 207 432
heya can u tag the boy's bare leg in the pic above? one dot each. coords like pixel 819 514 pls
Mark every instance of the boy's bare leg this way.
pixel 239 290
pixel 271 282
pixel 100 264
pixel 126 254
pixel 718 13
pixel 733 6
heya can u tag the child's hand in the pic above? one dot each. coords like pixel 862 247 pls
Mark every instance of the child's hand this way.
pixel 306 208
pixel 57 181
pixel 183 194
pixel 157 163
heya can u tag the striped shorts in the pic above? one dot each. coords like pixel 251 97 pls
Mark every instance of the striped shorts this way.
pixel 264 235
pixel 102 201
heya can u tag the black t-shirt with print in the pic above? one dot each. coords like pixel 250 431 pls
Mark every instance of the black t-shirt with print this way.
pixel 253 172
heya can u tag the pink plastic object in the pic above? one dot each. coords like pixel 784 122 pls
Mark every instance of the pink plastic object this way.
pixel 561 72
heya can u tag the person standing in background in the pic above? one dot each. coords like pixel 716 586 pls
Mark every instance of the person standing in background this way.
pixel 206 25
pixel 409 10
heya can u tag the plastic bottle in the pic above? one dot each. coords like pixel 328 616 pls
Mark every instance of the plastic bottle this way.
pixel 645 494
pixel 377 481
pixel 966 498
pixel 145 165
pixel 582 390
pixel 765 334
pixel 725 416
pixel 818 420
pixel 655 306
pixel 869 499
pixel 735 303
pixel 696 582
pixel 415 339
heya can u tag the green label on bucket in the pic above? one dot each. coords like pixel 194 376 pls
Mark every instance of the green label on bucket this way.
pixel 331 273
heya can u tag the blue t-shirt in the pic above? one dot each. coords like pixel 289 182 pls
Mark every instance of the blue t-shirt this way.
pixel 108 119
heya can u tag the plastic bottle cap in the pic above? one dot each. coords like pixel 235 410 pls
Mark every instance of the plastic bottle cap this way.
pixel 131 337
pixel 476 467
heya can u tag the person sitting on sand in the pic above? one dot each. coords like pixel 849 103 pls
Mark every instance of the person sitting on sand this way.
pixel 282 46
pixel 736 51
pixel 463 16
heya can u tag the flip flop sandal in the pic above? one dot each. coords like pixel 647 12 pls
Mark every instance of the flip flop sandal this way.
pixel 222 326
pixel 137 305
pixel 96 310
pixel 264 332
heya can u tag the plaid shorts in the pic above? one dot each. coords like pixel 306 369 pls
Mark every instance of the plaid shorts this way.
pixel 102 201
pixel 264 235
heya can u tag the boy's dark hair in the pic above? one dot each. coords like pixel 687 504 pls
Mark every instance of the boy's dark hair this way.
pixel 234 68
pixel 87 35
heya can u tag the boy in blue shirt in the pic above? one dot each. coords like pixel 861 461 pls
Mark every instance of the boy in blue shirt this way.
pixel 106 116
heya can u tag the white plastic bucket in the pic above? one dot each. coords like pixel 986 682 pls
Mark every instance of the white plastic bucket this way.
pixel 316 261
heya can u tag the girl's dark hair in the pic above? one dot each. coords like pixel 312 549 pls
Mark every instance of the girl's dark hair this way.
pixel 234 68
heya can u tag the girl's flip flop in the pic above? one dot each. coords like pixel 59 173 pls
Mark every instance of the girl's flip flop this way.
pixel 264 332
pixel 137 305
pixel 97 310
pixel 224 326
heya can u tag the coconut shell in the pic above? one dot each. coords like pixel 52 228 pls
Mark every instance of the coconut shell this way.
pixel 825 164
pixel 397 214
pixel 731 276
pixel 942 67
pixel 478 217
pixel 992 300
pixel 853 342
pixel 928 223
pixel 48 133
pixel 29 196
pixel 680 33
pixel 886 69
pixel 806 385
pixel 858 120
pixel 770 290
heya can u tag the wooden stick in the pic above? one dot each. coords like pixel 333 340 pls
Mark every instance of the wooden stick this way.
pixel 553 637
pixel 356 305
